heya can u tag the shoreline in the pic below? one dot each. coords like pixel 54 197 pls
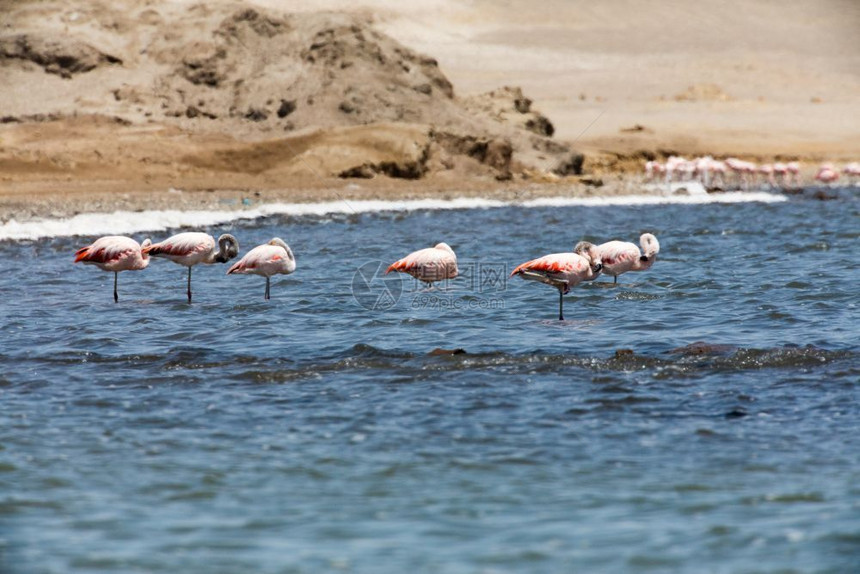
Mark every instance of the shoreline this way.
pixel 27 201
pixel 46 193
pixel 229 212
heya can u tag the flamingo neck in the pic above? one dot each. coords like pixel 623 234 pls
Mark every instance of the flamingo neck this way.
pixel 644 263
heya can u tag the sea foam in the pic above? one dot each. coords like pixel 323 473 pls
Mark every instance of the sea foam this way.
pixel 129 222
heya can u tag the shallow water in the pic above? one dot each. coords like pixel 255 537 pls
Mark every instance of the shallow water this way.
pixel 315 432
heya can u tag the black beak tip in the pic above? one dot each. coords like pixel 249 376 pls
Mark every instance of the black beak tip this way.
pixel 643 258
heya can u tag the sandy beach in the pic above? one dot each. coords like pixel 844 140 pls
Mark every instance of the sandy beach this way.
pixel 170 104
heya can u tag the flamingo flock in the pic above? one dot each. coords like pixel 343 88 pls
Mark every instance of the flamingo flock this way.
pixel 117 253
pixel 562 271
pixel 734 173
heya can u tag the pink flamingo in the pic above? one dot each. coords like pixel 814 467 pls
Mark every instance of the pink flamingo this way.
pixel 653 169
pixel 766 170
pixel 620 256
pixel 115 253
pixel 743 170
pixel 827 174
pixel 703 170
pixel 563 270
pixel 428 265
pixel 718 169
pixel 191 248
pixel 852 170
pixel 737 167
pixel 674 164
pixel 793 177
pixel 270 259
pixel 780 173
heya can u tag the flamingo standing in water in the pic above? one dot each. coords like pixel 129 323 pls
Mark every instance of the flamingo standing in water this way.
pixel 654 169
pixel 852 170
pixel 718 169
pixel 115 253
pixel 827 174
pixel 793 177
pixel 270 259
pixel 428 265
pixel 563 270
pixel 620 256
pixel 191 248
pixel 744 171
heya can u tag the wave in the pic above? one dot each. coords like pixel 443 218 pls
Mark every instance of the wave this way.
pixel 128 222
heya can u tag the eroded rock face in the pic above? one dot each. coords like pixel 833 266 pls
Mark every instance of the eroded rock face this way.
pixel 253 74
pixel 56 55
pixel 509 105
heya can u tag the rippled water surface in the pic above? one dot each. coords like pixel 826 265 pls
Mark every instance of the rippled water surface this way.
pixel 699 417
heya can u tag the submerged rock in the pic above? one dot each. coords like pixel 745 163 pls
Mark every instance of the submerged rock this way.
pixel 438 351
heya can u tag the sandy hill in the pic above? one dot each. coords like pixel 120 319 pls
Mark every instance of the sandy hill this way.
pixel 178 91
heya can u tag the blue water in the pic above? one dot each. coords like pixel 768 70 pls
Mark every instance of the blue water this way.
pixel 699 417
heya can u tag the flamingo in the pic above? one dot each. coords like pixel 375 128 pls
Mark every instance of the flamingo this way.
pixel 674 164
pixel 827 173
pixel 703 170
pixel 793 169
pixel 743 170
pixel 191 248
pixel 620 257
pixel 115 253
pixel 270 259
pixel 428 265
pixel 780 173
pixel 766 170
pixel 653 169
pixel 852 170
pixel 718 169
pixel 563 270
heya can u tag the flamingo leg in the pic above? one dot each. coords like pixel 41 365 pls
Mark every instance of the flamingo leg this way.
pixel 115 295
pixel 267 289
pixel 561 304
pixel 615 280
pixel 189 284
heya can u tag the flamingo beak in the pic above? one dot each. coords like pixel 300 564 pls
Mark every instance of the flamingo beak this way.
pixel 643 258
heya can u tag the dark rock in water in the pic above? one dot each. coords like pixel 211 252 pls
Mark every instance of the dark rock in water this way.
pixel 619 353
pixel 736 413
pixel 437 351
pixel 702 348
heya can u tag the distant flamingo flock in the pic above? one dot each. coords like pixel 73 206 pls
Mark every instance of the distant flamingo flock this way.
pixel 734 173
pixel 562 271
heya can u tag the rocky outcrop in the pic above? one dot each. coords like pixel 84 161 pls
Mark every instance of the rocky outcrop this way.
pixel 259 76
pixel 59 55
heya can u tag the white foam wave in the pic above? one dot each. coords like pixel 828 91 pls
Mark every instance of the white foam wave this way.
pixel 725 197
pixel 129 222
